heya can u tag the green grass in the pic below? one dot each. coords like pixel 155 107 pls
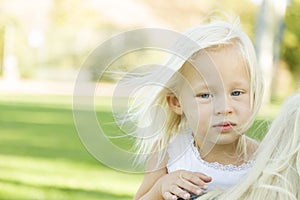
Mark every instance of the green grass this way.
pixel 42 157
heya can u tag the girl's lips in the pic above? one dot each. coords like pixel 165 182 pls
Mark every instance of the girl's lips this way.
pixel 224 127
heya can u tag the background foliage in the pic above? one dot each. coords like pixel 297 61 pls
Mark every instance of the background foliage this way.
pixel 70 30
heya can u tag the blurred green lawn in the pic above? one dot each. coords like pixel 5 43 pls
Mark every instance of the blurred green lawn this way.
pixel 41 156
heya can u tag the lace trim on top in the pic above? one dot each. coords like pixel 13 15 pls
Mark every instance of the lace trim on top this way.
pixel 220 166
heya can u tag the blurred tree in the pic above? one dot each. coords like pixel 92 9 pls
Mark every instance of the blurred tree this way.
pixel 268 23
pixel 76 28
pixel 1 47
pixel 73 28
pixel 182 14
pixel 8 61
pixel 291 40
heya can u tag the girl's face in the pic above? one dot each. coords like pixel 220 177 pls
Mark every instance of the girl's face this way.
pixel 215 99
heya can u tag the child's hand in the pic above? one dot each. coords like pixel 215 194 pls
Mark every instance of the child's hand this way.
pixel 180 183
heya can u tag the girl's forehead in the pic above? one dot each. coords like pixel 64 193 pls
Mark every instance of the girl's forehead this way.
pixel 213 60
pixel 217 50
pixel 216 66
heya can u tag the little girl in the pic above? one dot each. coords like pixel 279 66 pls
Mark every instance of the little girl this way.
pixel 276 172
pixel 209 101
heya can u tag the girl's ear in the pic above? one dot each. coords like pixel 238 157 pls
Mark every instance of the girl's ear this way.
pixel 174 104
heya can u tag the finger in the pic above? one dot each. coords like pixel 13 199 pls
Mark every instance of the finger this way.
pixel 196 178
pixel 169 196
pixel 203 177
pixel 179 192
pixel 189 186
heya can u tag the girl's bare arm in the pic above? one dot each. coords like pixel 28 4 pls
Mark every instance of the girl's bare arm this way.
pixel 161 185
pixel 148 189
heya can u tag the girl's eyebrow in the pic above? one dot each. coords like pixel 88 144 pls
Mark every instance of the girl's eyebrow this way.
pixel 206 86
pixel 201 86
pixel 241 83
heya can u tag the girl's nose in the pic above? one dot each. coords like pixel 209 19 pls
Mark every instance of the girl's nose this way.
pixel 223 107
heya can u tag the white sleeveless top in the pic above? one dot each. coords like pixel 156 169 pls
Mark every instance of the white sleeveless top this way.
pixel 183 155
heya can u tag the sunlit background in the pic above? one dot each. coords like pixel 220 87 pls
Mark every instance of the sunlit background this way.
pixel 44 43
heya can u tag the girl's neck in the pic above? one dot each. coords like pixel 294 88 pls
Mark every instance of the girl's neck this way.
pixel 222 153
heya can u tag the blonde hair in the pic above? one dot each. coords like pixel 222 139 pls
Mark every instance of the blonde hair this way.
pixel 276 172
pixel 151 109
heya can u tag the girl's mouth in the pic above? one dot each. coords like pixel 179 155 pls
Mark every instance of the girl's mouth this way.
pixel 225 127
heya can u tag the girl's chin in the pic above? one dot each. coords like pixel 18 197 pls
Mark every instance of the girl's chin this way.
pixel 223 139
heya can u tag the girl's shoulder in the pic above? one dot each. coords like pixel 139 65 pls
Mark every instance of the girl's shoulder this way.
pixel 180 143
pixel 179 151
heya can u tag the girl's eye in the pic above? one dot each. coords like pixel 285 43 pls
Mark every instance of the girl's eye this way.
pixel 204 96
pixel 236 93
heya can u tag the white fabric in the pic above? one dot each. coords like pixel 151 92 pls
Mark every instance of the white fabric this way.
pixel 183 155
